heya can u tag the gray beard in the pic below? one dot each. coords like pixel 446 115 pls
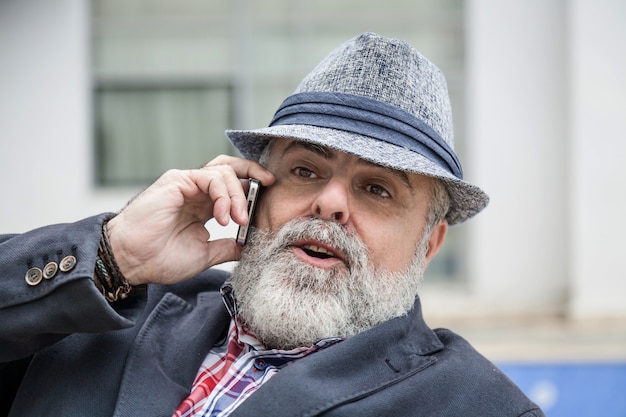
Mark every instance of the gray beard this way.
pixel 288 303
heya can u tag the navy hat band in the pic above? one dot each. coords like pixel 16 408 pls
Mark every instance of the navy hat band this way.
pixel 369 117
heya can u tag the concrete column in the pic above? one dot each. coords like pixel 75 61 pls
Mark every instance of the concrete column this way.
pixel 597 147
pixel 518 151
pixel 44 106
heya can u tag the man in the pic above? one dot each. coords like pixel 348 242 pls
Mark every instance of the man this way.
pixel 320 317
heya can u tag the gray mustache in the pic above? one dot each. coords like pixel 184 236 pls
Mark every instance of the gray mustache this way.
pixel 327 232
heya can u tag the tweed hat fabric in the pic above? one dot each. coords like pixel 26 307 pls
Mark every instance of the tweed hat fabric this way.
pixel 381 100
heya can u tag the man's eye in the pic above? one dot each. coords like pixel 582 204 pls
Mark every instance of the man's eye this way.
pixel 304 172
pixel 378 190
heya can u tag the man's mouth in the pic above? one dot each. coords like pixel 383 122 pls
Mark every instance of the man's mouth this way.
pixel 317 254
pixel 317 251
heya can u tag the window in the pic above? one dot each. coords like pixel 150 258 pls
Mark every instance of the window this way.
pixel 143 130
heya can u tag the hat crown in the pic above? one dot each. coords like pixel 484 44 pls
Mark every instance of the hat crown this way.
pixel 388 70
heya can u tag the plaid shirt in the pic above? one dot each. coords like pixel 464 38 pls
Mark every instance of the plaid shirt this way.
pixel 231 372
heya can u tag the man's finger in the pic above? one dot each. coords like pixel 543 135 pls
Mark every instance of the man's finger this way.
pixel 223 250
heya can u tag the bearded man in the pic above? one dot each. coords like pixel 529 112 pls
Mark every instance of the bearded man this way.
pixel 122 315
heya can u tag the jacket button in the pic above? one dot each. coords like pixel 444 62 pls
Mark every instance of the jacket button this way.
pixel 34 276
pixel 67 264
pixel 50 270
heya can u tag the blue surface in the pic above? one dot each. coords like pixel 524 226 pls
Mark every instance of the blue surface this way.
pixel 573 389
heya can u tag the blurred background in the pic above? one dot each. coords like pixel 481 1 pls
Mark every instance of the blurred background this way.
pixel 98 98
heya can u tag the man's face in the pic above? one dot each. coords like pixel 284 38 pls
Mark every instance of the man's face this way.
pixel 338 247
pixel 386 208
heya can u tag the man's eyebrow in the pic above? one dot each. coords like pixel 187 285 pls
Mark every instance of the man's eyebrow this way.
pixel 401 175
pixel 312 147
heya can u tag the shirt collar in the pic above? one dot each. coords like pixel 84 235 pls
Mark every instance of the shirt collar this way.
pixel 228 297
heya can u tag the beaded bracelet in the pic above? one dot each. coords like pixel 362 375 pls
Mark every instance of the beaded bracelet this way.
pixel 108 277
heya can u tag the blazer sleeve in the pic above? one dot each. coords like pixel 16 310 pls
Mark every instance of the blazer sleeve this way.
pixel 47 289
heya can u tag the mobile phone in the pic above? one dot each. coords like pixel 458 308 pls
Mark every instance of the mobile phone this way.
pixel 254 189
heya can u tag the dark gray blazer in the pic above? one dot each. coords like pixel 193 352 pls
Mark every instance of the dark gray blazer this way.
pixel 64 351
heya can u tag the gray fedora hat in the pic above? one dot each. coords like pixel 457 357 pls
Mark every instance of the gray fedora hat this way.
pixel 381 100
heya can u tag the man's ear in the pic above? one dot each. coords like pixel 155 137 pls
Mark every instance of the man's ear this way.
pixel 437 236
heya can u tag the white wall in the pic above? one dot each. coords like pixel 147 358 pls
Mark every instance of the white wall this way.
pixel 45 146
pixel 547 130
pixel 546 117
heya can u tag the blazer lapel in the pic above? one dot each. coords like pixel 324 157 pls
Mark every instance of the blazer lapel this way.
pixel 168 351
pixel 347 371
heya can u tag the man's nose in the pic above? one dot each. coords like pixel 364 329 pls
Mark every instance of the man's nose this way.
pixel 332 202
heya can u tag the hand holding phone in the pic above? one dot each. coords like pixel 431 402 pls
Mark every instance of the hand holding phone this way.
pixel 254 190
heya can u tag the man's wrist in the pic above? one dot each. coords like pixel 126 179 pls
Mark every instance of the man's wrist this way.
pixel 107 275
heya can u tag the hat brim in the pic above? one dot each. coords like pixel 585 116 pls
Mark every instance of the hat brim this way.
pixel 466 198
